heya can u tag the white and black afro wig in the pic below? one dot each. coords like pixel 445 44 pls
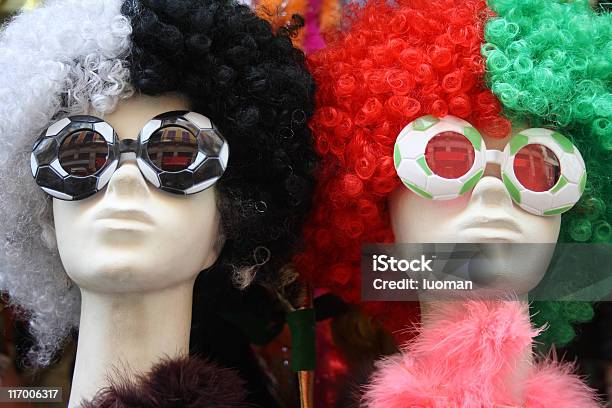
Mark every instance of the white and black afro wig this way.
pixel 83 56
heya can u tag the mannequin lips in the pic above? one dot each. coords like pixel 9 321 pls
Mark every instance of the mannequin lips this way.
pixel 483 221
pixel 125 214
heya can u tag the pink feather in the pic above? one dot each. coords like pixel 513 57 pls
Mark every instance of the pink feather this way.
pixel 465 359
pixel 553 385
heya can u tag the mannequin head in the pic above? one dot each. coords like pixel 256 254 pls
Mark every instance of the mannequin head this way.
pixel 125 62
pixel 181 239
pixel 371 85
pixel 486 214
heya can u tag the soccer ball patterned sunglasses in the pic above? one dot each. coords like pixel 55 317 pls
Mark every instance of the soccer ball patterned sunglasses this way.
pixel 442 159
pixel 179 152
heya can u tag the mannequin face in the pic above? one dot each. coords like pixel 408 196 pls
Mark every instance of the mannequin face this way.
pixel 486 214
pixel 163 240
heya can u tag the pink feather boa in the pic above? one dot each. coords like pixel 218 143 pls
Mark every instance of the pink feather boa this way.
pixel 472 355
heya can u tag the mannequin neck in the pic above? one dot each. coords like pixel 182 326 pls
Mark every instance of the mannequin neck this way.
pixel 430 307
pixel 127 333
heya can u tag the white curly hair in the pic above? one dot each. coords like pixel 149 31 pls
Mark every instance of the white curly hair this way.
pixel 66 57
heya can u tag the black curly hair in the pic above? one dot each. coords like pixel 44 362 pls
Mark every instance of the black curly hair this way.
pixel 255 87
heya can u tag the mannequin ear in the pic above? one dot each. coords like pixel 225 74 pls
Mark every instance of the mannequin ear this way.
pixel 47 225
pixel 215 250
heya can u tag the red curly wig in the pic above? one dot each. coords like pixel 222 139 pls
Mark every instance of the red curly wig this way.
pixel 393 64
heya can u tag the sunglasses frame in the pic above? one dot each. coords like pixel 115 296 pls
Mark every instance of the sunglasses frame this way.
pixel 204 171
pixel 412 168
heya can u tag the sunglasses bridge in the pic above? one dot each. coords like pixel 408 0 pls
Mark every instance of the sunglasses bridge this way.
pixel 494 156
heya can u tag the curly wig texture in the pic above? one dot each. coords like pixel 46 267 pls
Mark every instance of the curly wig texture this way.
pixel 395 64
pixel 546 64
pixel 252 83
pixel 550 63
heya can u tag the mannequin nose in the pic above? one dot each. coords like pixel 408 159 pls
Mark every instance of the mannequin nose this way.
pixel 491 192
pixel 127 179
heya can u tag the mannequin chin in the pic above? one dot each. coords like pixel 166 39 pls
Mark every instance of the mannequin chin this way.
pixel 131 236
pixel 485 214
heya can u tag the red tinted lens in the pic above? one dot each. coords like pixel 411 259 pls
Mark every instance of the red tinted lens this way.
pixel 172 148
pixel 536 167
pixel 449 154
pixel 83 153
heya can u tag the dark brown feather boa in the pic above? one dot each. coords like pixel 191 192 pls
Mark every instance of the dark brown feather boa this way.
pixel 187 382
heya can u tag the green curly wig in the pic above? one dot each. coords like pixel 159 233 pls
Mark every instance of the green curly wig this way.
pixel 550 64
